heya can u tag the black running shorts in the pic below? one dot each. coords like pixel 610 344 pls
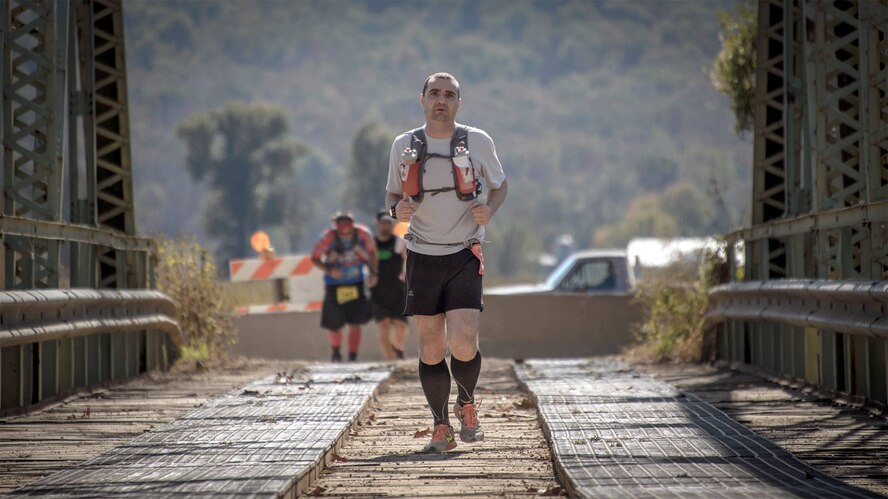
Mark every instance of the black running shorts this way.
pixel 344 304
pixel 438 284
pixel 382 312
pixel 387 300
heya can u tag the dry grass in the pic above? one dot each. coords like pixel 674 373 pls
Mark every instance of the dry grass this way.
pixel 675 302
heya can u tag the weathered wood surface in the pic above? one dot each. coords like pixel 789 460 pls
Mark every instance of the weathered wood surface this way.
pixel 841 440
pixel 382 457
pixel 66 434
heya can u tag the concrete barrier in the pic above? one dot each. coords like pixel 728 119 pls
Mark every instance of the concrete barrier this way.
pixel 512 326
pixel 298 335
pixel 557 325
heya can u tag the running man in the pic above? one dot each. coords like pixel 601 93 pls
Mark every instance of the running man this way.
pixel 435 174
pixel 387 297
pixel 342 252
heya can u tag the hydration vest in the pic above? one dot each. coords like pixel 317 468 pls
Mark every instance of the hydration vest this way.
pixel 339 244
pixel 466 184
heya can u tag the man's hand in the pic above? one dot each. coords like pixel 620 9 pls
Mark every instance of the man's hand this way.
pixel 335 273
pixel 372 280
pixel 405 208
pixel 402 276
pixel 481 214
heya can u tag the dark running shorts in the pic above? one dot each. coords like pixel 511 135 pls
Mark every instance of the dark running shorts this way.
pixel 344 304
pixel 438 284
pixel 381 312
pixel 387 300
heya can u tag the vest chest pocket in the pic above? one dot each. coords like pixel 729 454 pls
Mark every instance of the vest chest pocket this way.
pixel 345 294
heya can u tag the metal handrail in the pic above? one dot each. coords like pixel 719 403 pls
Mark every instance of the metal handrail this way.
pixel 43 315
pixel 850 307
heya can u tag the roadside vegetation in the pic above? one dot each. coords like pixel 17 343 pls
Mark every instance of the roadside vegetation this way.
pixel 186 271
pixel 675 300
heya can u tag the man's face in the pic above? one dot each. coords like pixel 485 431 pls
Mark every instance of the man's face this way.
pixel 440 101
pixel 345 226
pixel 384 228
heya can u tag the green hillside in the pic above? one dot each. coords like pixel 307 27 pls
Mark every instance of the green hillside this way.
pixel 603 113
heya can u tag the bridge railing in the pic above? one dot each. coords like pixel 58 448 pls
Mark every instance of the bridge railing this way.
pixel 829 333
pixel 81 337
pixel 56 341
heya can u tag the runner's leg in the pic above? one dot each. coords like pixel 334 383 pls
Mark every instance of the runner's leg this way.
pixel 433 372
pixel 400 335
pixel 354 341
pixel 335 344
pixel 385 345
pixel 465 362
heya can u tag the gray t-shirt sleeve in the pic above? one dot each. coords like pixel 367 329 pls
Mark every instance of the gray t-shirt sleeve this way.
pixel 394 175
pixel 483 151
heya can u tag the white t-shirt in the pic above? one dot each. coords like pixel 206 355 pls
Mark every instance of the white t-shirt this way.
pixel 442 217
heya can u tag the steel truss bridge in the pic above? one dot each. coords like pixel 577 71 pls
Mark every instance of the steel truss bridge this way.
pixel 809 302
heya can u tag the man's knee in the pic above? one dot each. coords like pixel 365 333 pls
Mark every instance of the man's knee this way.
pixel 462 330
pixel 430 331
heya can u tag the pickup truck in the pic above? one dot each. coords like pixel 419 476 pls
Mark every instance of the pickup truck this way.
pixel 591 271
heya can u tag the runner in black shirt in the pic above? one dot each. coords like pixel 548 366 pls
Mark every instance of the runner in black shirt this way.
pixel 388 294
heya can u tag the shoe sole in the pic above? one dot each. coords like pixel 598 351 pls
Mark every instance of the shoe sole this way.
pixel 450 446
pixel 470 436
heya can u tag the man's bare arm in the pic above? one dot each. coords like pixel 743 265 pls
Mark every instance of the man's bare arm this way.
pixel 390 199
pixel 496 197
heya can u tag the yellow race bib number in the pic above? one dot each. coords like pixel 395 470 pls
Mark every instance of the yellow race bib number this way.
pixel 345 294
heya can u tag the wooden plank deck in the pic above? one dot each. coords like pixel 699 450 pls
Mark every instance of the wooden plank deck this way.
pixel 65 434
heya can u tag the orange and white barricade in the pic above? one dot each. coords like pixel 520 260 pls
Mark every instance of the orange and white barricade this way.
pixel 306 282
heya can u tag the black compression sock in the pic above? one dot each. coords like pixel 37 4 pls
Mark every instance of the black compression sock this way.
pixel 466 376
pixel 435 380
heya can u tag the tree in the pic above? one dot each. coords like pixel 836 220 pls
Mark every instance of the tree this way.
pixel 368 168
pixel 733 72
pixel 243 151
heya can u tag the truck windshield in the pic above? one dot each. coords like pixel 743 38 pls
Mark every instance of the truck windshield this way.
pixel 559 273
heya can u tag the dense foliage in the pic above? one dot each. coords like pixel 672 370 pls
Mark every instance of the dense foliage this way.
pixel 603 113
pixel 733 72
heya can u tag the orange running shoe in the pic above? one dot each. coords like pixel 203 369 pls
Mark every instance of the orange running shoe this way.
pixel 469 427
pixel 442 439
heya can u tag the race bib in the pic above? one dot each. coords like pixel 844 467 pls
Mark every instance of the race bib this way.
pixel 345 294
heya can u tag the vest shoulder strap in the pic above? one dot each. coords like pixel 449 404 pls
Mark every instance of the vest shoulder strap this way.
pixel 460 137
pixel 418 141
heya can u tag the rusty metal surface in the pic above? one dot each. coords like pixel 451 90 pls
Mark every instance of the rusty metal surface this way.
pixel 263 440
pixel 617 433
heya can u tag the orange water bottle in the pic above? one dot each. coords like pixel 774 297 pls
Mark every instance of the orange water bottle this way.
pixel 463 171
pixel 410 172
